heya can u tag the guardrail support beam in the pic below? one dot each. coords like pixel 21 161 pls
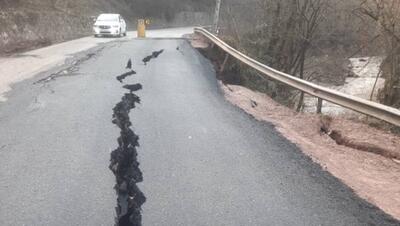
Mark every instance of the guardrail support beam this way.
pixel 222 68
pixel 319 106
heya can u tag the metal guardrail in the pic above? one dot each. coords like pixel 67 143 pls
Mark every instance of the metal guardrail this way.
pixel 360 105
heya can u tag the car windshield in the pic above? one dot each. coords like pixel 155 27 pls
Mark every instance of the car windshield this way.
pixel 108 17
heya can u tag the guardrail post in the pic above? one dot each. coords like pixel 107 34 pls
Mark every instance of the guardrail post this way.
pixel 319 106
pixel 222 68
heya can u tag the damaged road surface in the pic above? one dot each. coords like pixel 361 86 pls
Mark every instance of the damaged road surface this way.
pixel 125 165
pixel 202 160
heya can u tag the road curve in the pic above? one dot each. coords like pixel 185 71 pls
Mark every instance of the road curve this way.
pixel 204 161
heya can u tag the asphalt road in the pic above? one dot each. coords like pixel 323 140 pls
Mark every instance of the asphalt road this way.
pixel 19 67
pixel 204 161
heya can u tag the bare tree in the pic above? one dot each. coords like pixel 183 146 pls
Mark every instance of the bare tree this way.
pixel 310 16
pixel 283 35
pixel 386 14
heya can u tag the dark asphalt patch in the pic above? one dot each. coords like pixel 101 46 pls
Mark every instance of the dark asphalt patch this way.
pixel 133 88
pixel 147 59
pixel 153 55
pixel 129 64
pixel 122 77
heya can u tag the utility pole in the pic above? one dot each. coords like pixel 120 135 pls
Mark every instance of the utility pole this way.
pixel 216 17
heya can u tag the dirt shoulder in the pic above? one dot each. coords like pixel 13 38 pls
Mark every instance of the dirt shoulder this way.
pixel 372 175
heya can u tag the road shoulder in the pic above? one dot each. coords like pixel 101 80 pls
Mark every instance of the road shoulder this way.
pixel 374 177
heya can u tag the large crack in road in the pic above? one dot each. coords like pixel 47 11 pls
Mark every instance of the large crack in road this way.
pixel 125 165
pixel 124 160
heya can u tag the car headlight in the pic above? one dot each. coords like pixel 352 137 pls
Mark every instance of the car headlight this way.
pixel 116 26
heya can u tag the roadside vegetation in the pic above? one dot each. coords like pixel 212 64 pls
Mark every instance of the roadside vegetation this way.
pixel 347 45
pixel 313 40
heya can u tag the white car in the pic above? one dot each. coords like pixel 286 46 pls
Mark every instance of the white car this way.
pixel 109 24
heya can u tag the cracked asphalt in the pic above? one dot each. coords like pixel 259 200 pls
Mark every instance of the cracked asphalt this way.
pixel 204 161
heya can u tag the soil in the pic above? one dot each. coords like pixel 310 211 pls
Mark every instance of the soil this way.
pixel 365 158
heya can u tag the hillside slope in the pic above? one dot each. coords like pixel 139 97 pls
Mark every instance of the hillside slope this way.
pixel 28 24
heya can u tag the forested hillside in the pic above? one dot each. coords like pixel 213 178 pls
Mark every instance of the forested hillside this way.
pixel 318 40
pixel 30 23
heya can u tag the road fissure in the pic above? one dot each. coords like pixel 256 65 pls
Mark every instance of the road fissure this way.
pixel 125 165
pixel 124 160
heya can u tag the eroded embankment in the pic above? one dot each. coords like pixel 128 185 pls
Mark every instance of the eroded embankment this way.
pixel 363 157
pixel 230 75
pixel 374 176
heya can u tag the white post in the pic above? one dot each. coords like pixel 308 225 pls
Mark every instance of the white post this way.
pixel 216 17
